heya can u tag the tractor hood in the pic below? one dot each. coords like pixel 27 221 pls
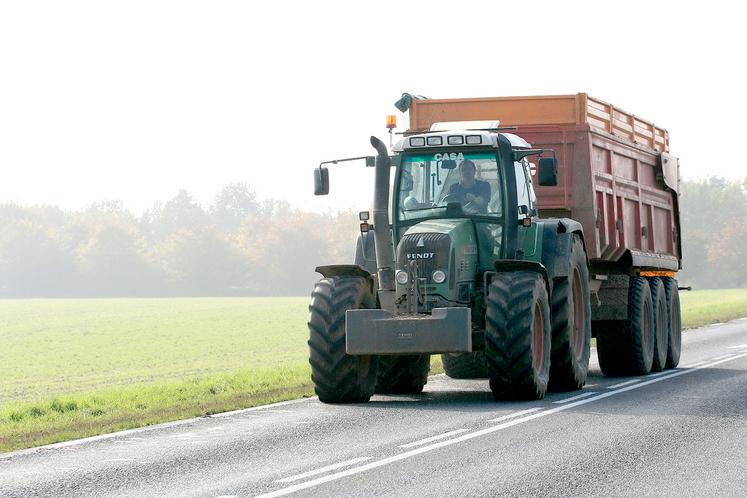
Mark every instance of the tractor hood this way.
pixel 448 246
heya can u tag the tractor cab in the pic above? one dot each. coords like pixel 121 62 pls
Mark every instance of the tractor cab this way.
pixel 460 192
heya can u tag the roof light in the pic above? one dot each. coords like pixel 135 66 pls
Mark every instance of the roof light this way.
pixel 474 139
pixel 455 140
pixel 417 141
pixel 435 140
pixel 391 121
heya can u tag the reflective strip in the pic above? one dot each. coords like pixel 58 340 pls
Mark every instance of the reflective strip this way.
pixel 656 274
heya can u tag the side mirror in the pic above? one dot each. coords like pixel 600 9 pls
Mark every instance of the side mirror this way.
pixel 548 171
pixel 321 181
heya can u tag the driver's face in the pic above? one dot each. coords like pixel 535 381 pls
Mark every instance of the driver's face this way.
pixel 468 174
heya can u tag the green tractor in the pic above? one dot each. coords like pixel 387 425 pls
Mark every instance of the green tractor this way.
pixel 464 268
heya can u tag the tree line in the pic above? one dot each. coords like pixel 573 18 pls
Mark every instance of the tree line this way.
pixel 237 246
pixel 240 246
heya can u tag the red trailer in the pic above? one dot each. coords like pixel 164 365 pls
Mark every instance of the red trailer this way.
pixel 616 176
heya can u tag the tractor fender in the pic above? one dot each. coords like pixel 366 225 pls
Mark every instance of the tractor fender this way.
pixel 329 271
pixel 509 265
pixel 557 248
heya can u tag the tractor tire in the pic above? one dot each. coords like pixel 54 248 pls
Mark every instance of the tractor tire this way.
pixel 661 324
pixel 675 322
pixel 517 336
pixel 465 365
pixel 570 315
pixel 337 376
pixel 403 374
pixel 626 347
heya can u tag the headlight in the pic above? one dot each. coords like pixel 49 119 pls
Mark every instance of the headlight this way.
pixel 401 277
pixel 439 276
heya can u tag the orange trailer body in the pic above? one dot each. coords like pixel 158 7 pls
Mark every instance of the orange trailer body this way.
pixel 615 174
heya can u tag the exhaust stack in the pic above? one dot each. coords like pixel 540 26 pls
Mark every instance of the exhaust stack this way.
pixel 382 235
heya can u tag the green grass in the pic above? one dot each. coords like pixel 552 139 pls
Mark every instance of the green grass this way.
pixel 711 306
pixel 74 368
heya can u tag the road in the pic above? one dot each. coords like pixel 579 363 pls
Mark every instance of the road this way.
pixel 678 433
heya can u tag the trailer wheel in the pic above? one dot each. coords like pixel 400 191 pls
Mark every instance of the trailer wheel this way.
pixel 675 322
pixel 337 376
pixel 571 324
pixel 626 347
pixel 402 374
pixel 465 365
pixel 661 324
pixel 517 336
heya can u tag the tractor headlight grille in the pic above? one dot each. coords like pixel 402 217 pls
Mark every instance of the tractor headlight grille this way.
pixel 430 250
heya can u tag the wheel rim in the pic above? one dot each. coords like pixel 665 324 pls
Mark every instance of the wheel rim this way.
pixel 538 338
pixel 579 316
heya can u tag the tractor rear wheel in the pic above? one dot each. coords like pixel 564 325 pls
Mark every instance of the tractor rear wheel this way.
pixel 465 365
pixel 403 374
pixel 571 324
pixel 661 323
pixel 626 347
pixel 337 376
pixel 675 322
pixel 517 336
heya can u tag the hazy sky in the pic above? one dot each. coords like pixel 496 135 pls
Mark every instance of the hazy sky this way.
pixel 135 100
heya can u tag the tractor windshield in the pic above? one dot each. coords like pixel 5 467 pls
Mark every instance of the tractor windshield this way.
pixel 430 182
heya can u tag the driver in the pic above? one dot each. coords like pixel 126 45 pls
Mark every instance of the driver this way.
pixel 473 194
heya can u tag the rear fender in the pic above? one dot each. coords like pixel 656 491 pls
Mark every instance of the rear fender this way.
pixel 509 265
pixel 556 251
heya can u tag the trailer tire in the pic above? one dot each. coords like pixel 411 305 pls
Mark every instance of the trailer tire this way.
pixel 465 365
pixel 517 336
pixel 570 315
pixel 661 324
pixel 675 322
pixel 403 374
pixel 337 376
pixel 626 347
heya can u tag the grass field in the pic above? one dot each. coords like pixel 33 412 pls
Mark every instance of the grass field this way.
pixel 72 368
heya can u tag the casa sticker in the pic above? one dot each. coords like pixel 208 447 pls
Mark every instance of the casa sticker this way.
pixel 454 156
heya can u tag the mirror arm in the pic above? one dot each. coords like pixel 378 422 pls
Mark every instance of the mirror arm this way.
pixel 335 161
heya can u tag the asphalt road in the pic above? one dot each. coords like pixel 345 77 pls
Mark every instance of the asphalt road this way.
pixel 678 433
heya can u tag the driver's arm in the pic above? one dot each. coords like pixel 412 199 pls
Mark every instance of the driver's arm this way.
pixel 483 196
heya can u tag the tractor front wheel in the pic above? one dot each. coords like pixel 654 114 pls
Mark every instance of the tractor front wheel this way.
pixel 517 336
pixel 337 376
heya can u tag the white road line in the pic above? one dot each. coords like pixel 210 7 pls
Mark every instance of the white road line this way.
pixel 664 372
pixel 482 432
pixel 432 438
pixel 574 398
pixel 723 356
pixel 516 414
pixel 119 460
pixel 627 383
pixel 741 346
pixel 322 470
pixel 693 365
